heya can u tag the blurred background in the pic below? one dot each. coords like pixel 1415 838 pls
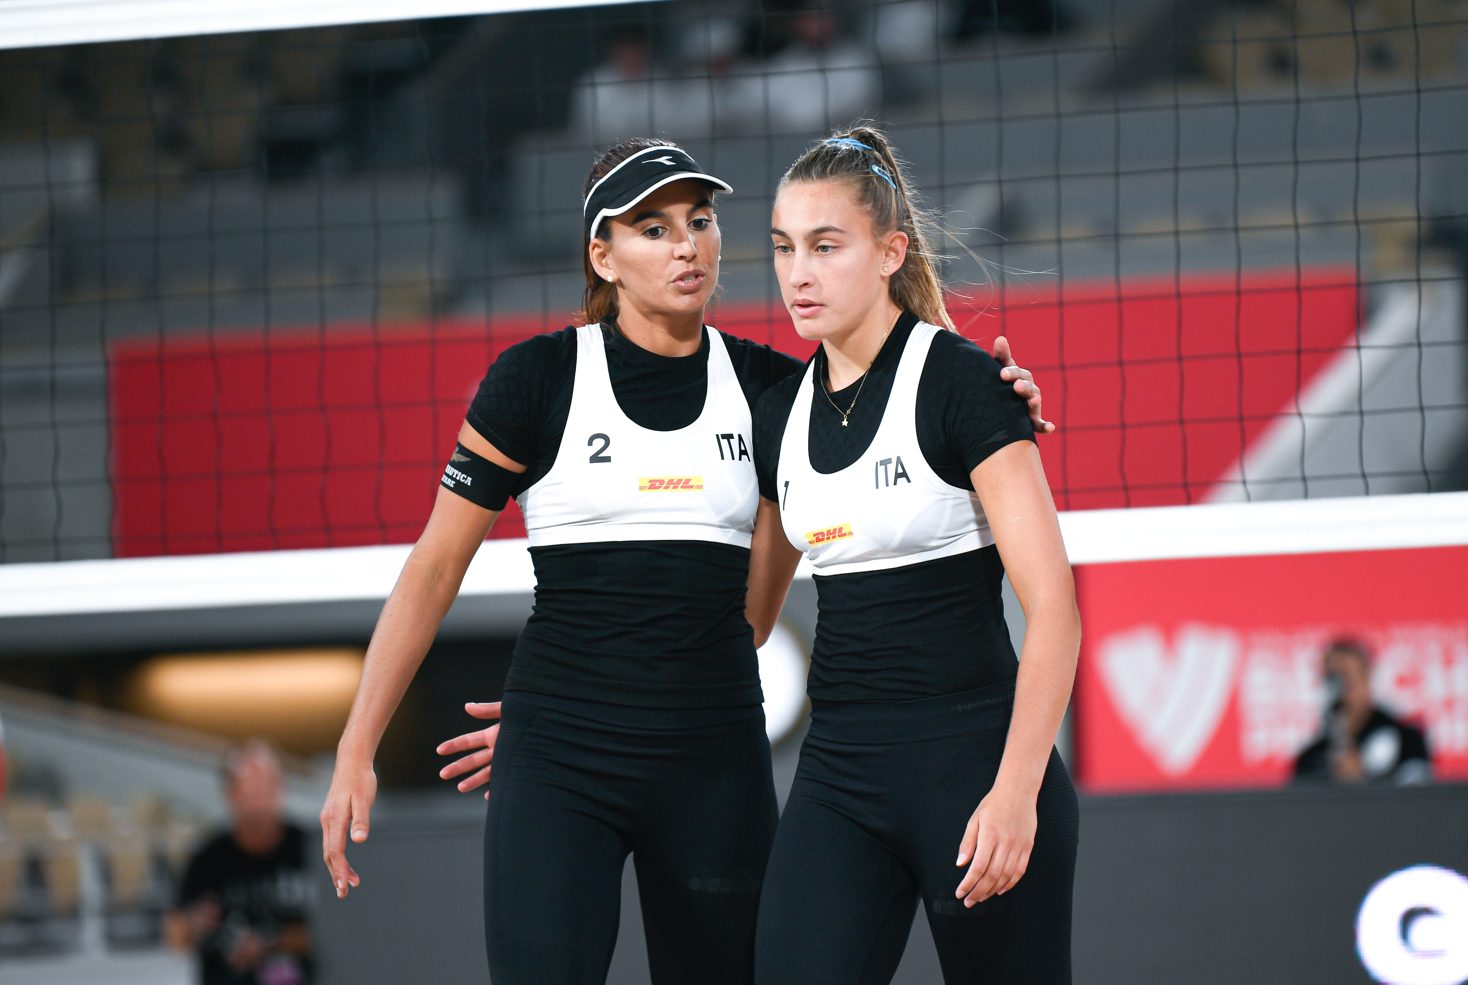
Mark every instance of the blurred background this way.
pixel 253 265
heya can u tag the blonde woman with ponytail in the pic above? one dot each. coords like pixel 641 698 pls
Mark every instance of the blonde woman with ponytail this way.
pixel 904 467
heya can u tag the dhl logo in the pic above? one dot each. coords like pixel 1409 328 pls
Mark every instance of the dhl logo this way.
pixel 828 534
pixel 670 483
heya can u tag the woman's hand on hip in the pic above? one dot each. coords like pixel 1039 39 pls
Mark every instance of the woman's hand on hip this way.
pixel 479 745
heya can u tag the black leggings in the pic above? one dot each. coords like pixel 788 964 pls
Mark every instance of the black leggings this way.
pixel 874 822
pixel 576 786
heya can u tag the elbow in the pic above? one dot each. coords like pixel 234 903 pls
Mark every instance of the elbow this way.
pixel 762 629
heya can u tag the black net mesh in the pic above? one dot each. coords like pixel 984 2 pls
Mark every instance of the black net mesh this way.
pixel 249 282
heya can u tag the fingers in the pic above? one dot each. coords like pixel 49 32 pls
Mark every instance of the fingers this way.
pixel 978 870
pixel 361 822
pixel 333 846
pixel 1020 868
pixel 467 764
pixel 488 710
pixel 1002 355
pixel 1026 387
pixel 475 782
pixel 1001 868
pixel 970 839
pixel 1005 867
pixel 475 741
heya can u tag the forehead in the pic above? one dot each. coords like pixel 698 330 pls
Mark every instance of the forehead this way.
pixel 1340 657
pixel 810 204
pixel 253 767
pixel 685 194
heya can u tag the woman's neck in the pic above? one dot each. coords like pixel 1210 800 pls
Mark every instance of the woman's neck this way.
pixel 679 335
pixel 850 355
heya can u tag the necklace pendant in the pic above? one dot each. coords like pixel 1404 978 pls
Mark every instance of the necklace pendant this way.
pixel 843 421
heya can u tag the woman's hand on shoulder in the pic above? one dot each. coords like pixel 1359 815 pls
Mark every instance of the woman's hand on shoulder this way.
pixel 1024 384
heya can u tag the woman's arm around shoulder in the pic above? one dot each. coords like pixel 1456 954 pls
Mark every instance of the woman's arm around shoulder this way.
pixel 772 558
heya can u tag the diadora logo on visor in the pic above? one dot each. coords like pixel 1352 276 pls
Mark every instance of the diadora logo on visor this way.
pixel 665 159
pixel 827 534
pixel 671 483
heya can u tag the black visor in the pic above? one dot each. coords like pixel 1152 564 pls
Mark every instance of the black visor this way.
pixel 638 177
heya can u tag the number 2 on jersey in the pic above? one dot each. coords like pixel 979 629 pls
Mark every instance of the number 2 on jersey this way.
pixel 599 455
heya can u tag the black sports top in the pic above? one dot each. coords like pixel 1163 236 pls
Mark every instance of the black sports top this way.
pixel 935 627
pixel 653 623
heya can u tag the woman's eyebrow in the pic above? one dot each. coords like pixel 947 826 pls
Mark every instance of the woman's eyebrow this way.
pixel 703 203
pixel 649 214
pixel 818 231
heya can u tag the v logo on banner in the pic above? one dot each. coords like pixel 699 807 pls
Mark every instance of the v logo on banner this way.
pixel 1171 699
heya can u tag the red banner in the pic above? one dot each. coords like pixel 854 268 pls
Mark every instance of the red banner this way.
pixel 1206 672
pixel 332 436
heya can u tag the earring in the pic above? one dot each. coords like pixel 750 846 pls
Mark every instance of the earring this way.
pixel 884 268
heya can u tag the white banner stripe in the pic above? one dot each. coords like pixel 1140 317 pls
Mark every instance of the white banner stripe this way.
pixel 502 567
pixel 41 23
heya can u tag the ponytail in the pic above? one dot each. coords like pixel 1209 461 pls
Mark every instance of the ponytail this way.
pixel 861 156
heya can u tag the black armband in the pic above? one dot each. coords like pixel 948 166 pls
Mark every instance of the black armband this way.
pixel 479 480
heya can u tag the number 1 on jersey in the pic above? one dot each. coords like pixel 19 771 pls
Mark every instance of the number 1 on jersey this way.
pixel 784 495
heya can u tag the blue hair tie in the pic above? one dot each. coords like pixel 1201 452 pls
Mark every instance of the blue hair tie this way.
pixel 848 142
pixel 882 173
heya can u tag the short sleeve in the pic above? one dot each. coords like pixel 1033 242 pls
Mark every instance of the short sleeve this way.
pixel 758 366
pixel 978 412
pixel 513 400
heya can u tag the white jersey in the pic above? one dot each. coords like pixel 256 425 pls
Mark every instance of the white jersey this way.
pixel 614 480
pixel 889 508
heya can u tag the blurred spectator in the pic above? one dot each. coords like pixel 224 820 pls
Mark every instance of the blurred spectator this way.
pixel 615 98
pixel 811 79
pixel 623 95
pixel 1359 741
pixel 4 766
pixel 242 905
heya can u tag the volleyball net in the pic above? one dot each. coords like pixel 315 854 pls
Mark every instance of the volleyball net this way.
pixel 253 264
pixel 248 280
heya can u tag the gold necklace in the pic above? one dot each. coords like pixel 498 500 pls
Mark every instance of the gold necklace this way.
pixel 826 387
pixel 847 412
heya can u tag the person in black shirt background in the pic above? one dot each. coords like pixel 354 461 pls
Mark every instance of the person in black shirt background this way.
pixel 631 715
pixel 242 905
pixel 1360 741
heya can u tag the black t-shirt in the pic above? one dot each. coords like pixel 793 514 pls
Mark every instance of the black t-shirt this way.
pixel 262 894
pixel 936 627
pixel 654 623
pixel 1391 751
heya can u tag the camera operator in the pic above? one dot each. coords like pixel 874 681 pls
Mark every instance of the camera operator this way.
pixel 1360 742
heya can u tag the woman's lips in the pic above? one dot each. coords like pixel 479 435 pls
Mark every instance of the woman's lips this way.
pixel 805 308
pixel 690 283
